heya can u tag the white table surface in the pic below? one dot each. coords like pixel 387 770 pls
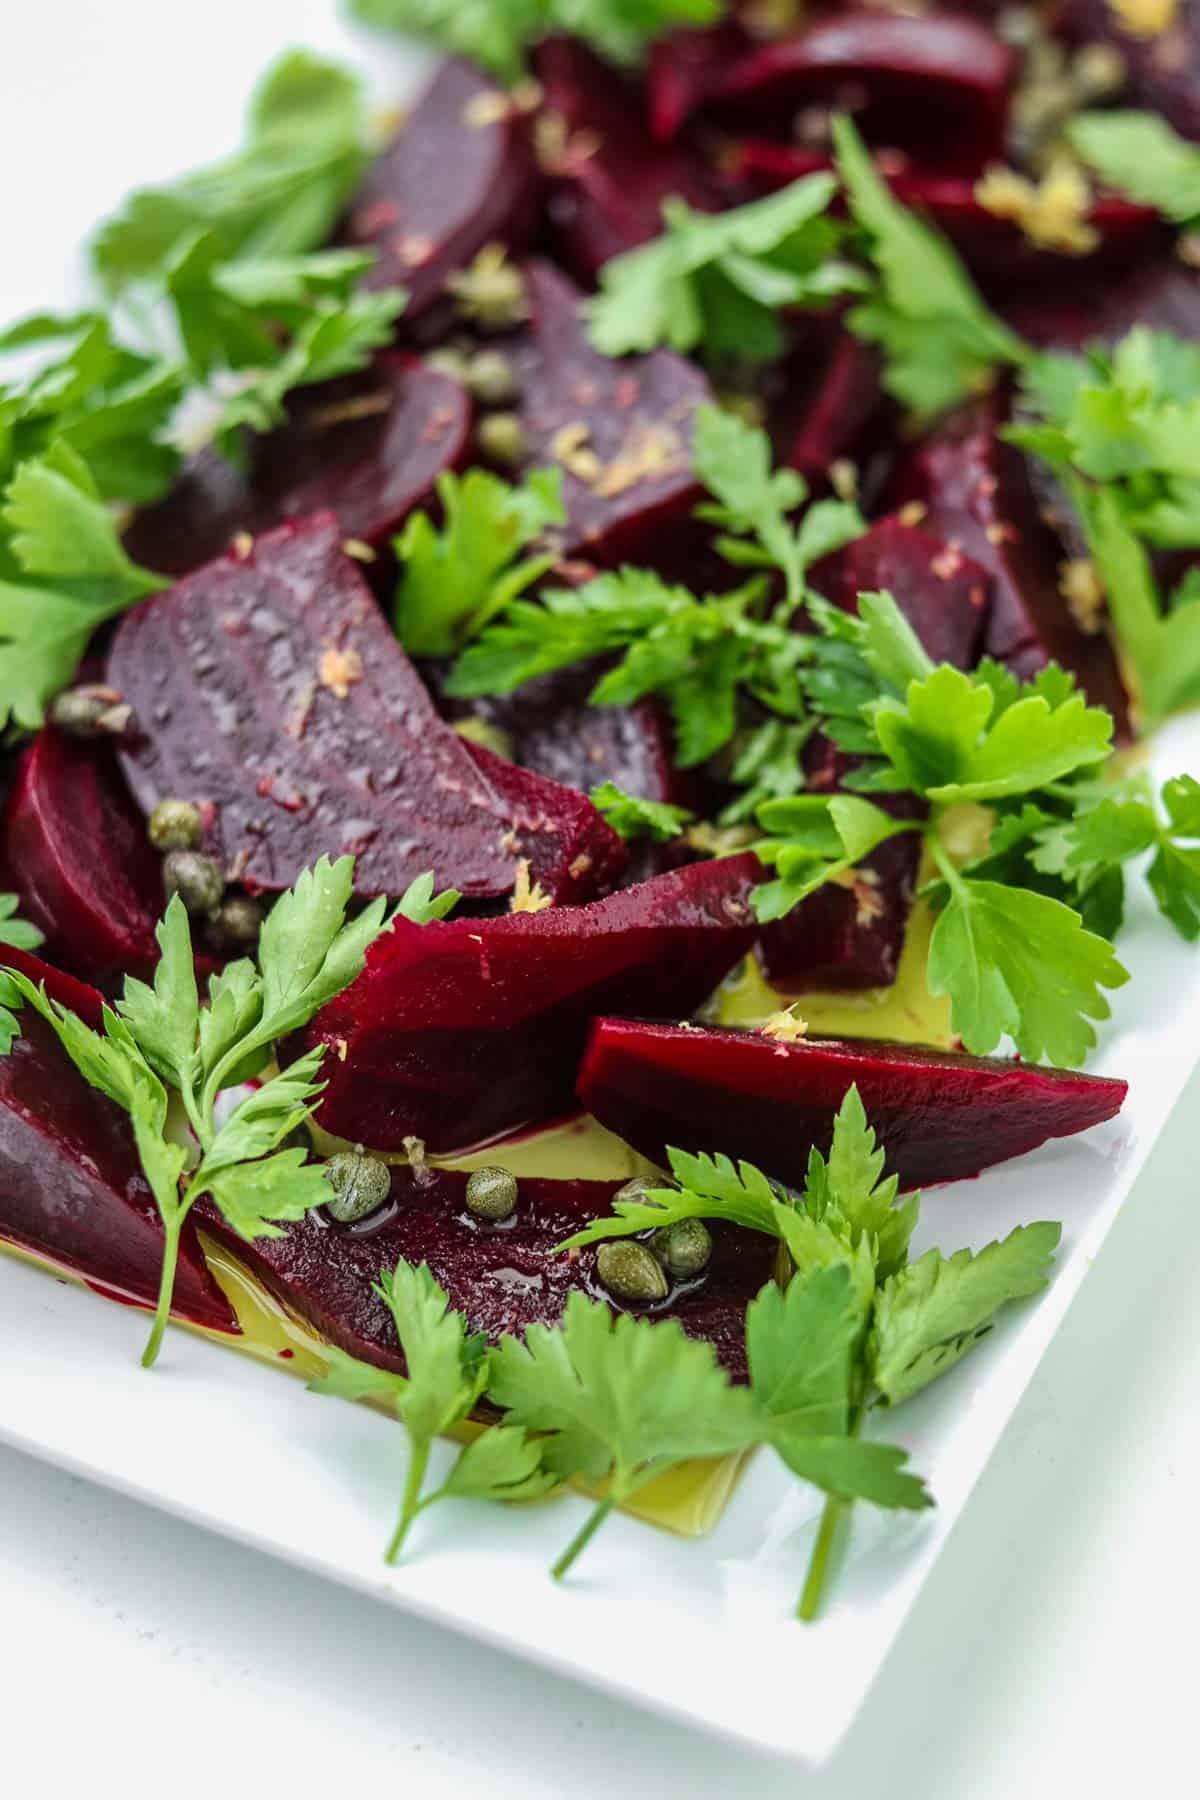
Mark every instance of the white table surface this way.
pixel 1052 1652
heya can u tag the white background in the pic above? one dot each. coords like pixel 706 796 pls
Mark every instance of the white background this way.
pixel 1052 1651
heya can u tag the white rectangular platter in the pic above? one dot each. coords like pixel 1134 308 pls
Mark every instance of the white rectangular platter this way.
pixel 698 1630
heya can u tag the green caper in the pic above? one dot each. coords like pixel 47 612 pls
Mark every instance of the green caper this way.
pixel 175 825
pixel 492 379
pixel 196 879
pixel 491 292
pixel 90 711
pixel 237 923
pixel 454 363
pixel 641 1188
pixel 500 438
pixel 360 1186
pixel 492 1194
pixel 629 1271
pixel 684 1248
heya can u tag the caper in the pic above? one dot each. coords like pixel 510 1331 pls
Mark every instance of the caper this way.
pixel 196 879
pixel 91 710
pixel 491 292
pixel 360 1186
pixel 492 1194
pixel 492 379
pixel 237 923
pixel 446 361
pixel 684 1248
pixel 640 1189
pixel 175 825
pixel 500 438
pixel 629 1271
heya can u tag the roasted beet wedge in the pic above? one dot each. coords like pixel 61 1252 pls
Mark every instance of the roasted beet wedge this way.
pixel 71 1186
pixel 1162 62
pixel 941 1116
pixel 368 448
pixel 458 1032
pixel 833 406
pixel 460 173
pixel 74 850
pixel 943 593
pixel 621 430
pixel 268 689
pixel 608 176
pixel 935 85
pixel 1164 295
pixel 977 496
pixel 503 1277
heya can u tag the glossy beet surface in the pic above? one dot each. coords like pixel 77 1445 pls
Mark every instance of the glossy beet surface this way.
pixel 71 1186
pixel 620 430
pixel 503 1277
pixel 460 1031
pixel 369 448
pixel 268 689
pixel 944 594
pixel 459 174
pixel 977 496
pixel 940 1115
pixel 74 851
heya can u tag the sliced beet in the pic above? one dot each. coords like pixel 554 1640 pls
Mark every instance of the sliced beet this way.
pixel 940 1115
pixel 937 85
pixel 369 448
pixel 835 407
pixel 978 497
pixel 71 1186
pixel 608 178
pixel 1163 295
pixel 684 69
pixel 621 430
pixel 943 593
pixel 1162 68
pixel 460 1031
pixel 502 1277
pixel 268 689
pixel 460 173
pixel 74 850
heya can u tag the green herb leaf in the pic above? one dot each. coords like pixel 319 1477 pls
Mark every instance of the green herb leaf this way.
pixel 928 1315
pixel 17 932
pixel 632 817
pixel 454 580
pixel 941 342
pixel 1140 155
pixel 421 906
pixel 716 281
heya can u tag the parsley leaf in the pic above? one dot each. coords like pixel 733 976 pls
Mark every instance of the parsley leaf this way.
pixel 497 33
pixel 941 342
pixel 17 932
pixel 1140 155
pixel 454 580
pixel 716 281
pixel 815 839
pixel 448 1370
pixel 279 196
pixel 70 574
pixel 159 1035
pixel 632 817
pixel 620 1400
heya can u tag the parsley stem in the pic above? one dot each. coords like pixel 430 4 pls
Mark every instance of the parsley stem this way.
pixel 410 1506
pixel 172 1231
pixel 946 867
pixel 584 1535
pixel 832 1515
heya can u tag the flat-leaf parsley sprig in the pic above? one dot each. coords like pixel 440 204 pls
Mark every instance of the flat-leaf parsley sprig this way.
pixel 159 1037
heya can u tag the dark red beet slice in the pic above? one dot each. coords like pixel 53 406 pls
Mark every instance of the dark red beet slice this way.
pixel 621 429
pixel 1162 70
pixel 370 448
pixel 941 1116
pixel 1164 295
pixel 608 178
pixel 503 1277
pixel 835 409
pixel 460 1031
pixel 71 1187
pixel 75 852
pixel 460 173
pixel 943 593
pixel 937 85
pixel 268 689
pixel 977 496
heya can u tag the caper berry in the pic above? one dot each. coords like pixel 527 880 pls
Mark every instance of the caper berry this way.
pixel 446 361
pixel 491 292
pixel 641 1188
pixel 500 438
pixel 237 923
pixel 684 1248
pixel 175 825
pixel 360 1186
pixel 629 1272
pixel 492 379
pixel 492 1194
pixel 90 711
pixel 196 879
